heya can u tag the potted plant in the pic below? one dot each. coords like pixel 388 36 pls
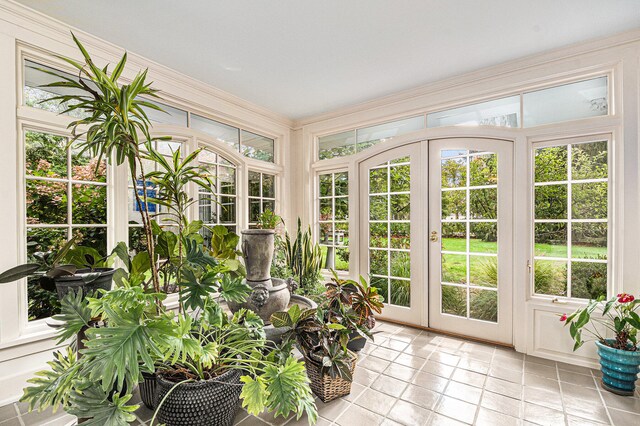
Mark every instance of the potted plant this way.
pixel 71 268
pixel 352 304
pixel 258 247
pixel 619 356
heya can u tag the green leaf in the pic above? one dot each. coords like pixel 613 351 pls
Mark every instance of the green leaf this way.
pixel 234 289
pixel 18 272
pixel 93 403
pixel 254 395
pixel 180 344
pixel 196 290
pixel 286 385
pixel 140 263
pixel 75 313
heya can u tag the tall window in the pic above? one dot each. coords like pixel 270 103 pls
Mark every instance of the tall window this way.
pixel 66 196
pixel 262 195
pixel 220 207
pixel 334 220
pixel 136 231
pixel 571 220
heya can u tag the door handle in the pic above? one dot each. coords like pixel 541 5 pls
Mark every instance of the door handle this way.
pixel 434 236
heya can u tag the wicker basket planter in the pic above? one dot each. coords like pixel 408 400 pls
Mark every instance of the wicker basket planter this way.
pixel 203 403
pixel 326 387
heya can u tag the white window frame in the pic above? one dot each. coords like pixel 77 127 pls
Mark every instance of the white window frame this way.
pixel 317 222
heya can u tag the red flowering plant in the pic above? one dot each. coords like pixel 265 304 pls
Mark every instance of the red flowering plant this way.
pixel 618 315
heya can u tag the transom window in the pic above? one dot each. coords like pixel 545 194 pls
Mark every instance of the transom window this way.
pixel 571 219
pixel 262 195
pixel 334 220
pixel 66 196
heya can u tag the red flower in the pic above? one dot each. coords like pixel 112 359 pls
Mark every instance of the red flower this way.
pixel 625 298
pixel 563 317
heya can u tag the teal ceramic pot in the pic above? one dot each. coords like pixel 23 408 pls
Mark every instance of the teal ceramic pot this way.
pixel 619 368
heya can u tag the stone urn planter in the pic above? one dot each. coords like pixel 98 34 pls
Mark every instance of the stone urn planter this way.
pixel 257 251
pixel 619 368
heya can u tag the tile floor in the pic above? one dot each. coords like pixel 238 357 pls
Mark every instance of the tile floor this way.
pixel 412 377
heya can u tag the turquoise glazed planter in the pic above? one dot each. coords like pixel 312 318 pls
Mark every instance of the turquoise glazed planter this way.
pixel 619 368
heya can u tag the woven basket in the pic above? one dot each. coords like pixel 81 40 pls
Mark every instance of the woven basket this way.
pixel 326 387
pixel 203 403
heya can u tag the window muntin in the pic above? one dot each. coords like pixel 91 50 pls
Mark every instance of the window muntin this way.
pixel 571 220
pixel 66 196
pixel 262 195
pixel 333 220
pixel 256 146
pixel 389 230
pixel 573 101
pixel 504 112
pixel 220 207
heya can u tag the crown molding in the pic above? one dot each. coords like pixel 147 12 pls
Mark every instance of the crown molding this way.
pixel 484 74
pixel 32 20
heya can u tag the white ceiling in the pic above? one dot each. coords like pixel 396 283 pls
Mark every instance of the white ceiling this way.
pixel 304 57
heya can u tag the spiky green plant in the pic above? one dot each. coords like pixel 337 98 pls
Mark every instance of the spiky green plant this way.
pixel 303 256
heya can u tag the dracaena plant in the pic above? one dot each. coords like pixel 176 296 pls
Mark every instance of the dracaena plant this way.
pixel 114 126
pixel 618 315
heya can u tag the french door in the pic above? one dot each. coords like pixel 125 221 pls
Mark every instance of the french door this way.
pixel 437 234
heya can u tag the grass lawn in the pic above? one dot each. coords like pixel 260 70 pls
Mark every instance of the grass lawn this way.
pixel 341 265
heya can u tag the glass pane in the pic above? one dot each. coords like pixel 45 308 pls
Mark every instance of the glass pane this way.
pixel 589 200
pixel 378 235
pixel 401 292
pixel 400 178
pixel 454 204
pixel 254 210
pixel 454 172
pixel 400 264
pixel 378 181
pixel 342 234
pixel 342 259
pixel 268 186
pixel 454 237
pixel 342 208
pixel 550 277
pixel 572 101
pixel 483 237
pixel 45 155
pixel 589 160
pixel 551 239
pixel 483 305
pixel 341 183
pixel 326 185
pixel 254 184
pixel 85 167
pixel 94 237
pixel 382 284
pixel 89 204
pixel 400 206
pixel 370 136
pixel 258 147
pixel 338 145
pixel 483 271
pixel 454 300
pixel 454 268
pixel 326 209
pixel 483 203
pixel 223 133
pixel 551 164
pixel 44 239
pixel 168 115
pixel 46 202
pixel 137 239
pixel 326 234
pixel 227 180
pixel 588 280
pixel 36 76
pixel 483 170
pixel 378 207
pixel 504 112
pixel 589 240
pixel 206 209
pixel 448 153
pixel 167 148
pixel 400 236
pixel 378 262
pixel 268 205
pixel 551 202
pixel 227 209
pixel 208 157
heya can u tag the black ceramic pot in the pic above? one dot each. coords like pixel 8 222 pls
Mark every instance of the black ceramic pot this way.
pixel 87 283
pixel 202 403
